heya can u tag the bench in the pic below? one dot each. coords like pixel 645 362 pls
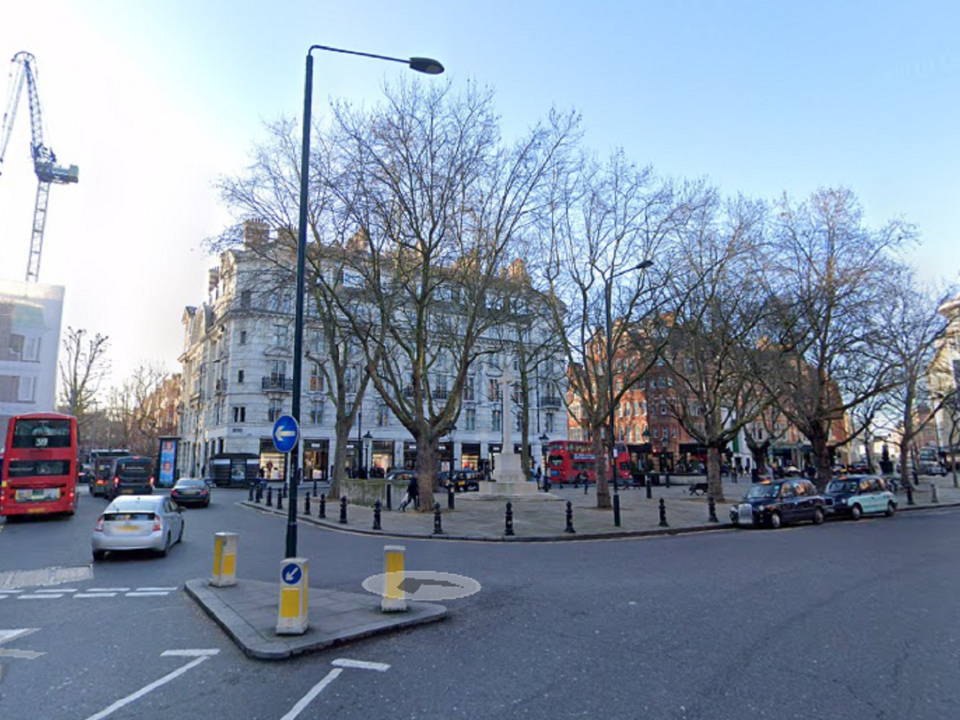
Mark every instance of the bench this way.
pixel 700 488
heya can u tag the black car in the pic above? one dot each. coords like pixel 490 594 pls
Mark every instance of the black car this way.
pixel 191 491
pixel 778 503
pixel 463 480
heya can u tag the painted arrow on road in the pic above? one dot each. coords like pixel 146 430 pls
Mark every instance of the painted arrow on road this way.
pixel 8 635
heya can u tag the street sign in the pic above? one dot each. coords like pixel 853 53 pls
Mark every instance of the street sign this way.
pixel 291 574
pixel 286 432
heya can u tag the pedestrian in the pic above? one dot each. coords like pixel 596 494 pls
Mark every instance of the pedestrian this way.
pixel 413 494
pixel 539 476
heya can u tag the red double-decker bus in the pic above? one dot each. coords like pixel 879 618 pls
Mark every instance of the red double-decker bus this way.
pixel 39 474
pixel 567 459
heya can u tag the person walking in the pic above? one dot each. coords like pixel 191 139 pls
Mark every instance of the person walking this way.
pixel 413 495
pixel 539 477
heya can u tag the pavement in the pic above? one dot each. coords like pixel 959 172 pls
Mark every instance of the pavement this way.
pixel 248 611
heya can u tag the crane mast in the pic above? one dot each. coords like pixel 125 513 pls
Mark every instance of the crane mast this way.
pixel 44 160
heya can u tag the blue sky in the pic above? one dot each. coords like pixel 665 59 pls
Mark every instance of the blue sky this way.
pixel 154 99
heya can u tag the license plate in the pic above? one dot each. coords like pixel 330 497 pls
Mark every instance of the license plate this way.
pixel 127 528
pixel 745 515
pixel 126 492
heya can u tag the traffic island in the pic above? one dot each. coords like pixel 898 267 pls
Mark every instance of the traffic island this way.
pixel 247 612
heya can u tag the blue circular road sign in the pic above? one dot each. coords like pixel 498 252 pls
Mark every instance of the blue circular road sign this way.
pixel 286 432
pixel 291 574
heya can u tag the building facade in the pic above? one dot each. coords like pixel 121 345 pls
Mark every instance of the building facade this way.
pixel 237 367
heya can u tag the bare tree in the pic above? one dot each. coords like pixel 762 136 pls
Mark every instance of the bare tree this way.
pixel 713 338
pixel 439 204
pixel 831 330
pixel 606 223
pixel 81 372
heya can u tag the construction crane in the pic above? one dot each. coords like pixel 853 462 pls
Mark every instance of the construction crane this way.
pixel 44 161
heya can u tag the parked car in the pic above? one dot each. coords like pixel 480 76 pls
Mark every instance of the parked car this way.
pixel 778 503
pixel 855 496
pixel 463 480
pixel 137 522
pixel 130 475
pixel 191 491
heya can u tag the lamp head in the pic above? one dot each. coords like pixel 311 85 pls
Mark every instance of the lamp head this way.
pixel 426 65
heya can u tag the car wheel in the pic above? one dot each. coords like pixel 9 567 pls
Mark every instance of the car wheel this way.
pixel 818 516
pixel 180 536
pixel 166 547
pixel 775 520
pixel 856 512
pixel 891 509
pixel 99 555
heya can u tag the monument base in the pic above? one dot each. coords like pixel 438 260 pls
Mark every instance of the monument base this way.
pixel 512 491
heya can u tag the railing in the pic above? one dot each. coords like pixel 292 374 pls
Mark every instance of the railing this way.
pixel 277 383
pixel 220 386
pixel 551 401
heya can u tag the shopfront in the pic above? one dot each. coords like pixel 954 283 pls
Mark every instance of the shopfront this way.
pixel 316 459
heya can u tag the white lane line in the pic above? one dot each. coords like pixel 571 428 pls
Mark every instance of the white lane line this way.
pixel 146 594
pixel 95 595
pixel 9 592
pixel 56 590
pixel 189 653
pixel 45 596
pixel 22 654
pixel 8 635
pixel 113 590
pixel 123 702
pixel 308 698
pixel 157 589
pixel 361 664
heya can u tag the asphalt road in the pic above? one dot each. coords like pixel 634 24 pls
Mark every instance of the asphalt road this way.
pixel 846 620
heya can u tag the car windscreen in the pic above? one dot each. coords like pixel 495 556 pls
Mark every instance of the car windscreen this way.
pixel 841 486
pixel 135 470
pixel 763 491
pixel 190 483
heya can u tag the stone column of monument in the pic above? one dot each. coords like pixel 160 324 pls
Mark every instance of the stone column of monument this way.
pixel 508 479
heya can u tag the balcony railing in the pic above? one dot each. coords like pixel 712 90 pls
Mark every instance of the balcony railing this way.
pixel 221 386
pixel 551 401
pixel 276 383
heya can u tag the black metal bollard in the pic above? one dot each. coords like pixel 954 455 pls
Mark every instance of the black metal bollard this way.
pixel 616 507
pixel 280 500
pixel 569 527
pixel 250 496
pixel 586 486
pixel 933 493
pixel 269 497
pixel 910 495
pixel 314 488
pixel 649 488
pixel 258 496
pixel 668 479
pixel 323 506
pixel 306 504
pixel 389 497
pixel 508 520
pixel 451 503
pixel 437 522
pixel 376 515
pixel 343 509
pixel 663 514
pixel 712 507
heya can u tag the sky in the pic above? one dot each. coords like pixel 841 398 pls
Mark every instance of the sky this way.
pixel 154 100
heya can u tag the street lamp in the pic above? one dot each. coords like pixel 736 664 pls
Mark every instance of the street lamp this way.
pixel 420 64
pixel 608 298
pixel 367 451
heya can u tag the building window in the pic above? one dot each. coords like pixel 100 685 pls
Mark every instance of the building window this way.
pixel 497 421
pixel 275 410
pixel 27 389
pixel 240 376
pixel 550 425
pixel 279 335
pixel 31 349
pixel 245 298
pixel 469 392
pixel 278 371
pixel 243 337
pixel 383 416
pixel 471 419
pixel 493 390
pixel 316 378
pixel 239 414
pixel 350 379
pixel 663 407
pixel 316 412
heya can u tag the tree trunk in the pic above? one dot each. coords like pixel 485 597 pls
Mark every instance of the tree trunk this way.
pixel 604 502
pixel 427 462
pixel 714 478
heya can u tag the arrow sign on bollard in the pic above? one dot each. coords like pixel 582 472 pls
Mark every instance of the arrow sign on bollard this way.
pixel 286 433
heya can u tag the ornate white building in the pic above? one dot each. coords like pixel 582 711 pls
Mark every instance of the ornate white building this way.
pixel 237 369
pixel 944 377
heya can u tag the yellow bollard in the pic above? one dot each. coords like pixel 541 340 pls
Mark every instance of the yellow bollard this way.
pixel 224 559
pixel 294 588
pixel 393 595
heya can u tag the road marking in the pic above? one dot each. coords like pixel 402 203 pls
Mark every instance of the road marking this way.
pixel 46 596
pixel 95 595
pixel 157 589
pixel 103 590
pixel 56 590
pixel 8 635
pixel 146 594
pixel 123 702
pixel 188 653
pixel 9 592
pixel 361 664
pixel 314 691
pixel 22 654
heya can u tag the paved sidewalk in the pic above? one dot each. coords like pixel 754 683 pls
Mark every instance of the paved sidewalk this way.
pixel 541 520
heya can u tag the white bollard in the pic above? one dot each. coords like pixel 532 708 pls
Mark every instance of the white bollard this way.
pixel 294 587
pixel 224 559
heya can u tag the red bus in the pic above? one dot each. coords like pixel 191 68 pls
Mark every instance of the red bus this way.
pixel 566 459
pixel 39 474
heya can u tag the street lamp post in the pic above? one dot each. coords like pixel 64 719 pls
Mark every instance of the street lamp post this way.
pixel 420 64
pixel 608 302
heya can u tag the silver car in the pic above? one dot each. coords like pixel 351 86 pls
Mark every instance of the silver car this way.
pixel 137 522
